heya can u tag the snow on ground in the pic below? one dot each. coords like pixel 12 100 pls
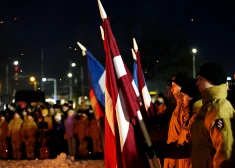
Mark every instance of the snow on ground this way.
pixel 60 162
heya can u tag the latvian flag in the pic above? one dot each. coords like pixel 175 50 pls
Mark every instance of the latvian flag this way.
pixel 121 108
pixel 141 84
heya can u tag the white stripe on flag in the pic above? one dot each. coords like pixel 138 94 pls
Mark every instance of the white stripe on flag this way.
pixel 119 66
pixel 109 111
pixel 147 99
pixel 102 82
pixel 122 118
pixel 136 91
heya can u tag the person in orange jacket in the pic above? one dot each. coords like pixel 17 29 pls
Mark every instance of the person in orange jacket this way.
pixel 14 129
pixel 28 132
pixel 81 130
pixel 176 122
pixel 94 133
pixel 191 105
pixel 3 136
pixel 213 129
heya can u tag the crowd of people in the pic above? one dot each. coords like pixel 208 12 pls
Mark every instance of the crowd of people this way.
pixel 192 128
pixel 44 131
pixel 194 122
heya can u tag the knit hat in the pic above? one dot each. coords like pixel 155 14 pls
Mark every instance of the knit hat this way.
pixel 30 114
pixel 44 112
pixel 2 114
pixel 213 72
pixel 182 77
pixel 191 89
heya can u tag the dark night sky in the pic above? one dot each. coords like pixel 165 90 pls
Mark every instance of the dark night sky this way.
pixel 56 25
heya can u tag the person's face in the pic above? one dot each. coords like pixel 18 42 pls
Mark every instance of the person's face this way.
pixel 70 114
pixel 175 89
pixel 16 115
pixel 29 117
pixel 186 100
pixel 2 118
pixel 65 108
pixel 203 83
pixel 168 92
pixel 11 108
pixel 57 119
pixel 29 110
pixel 52 111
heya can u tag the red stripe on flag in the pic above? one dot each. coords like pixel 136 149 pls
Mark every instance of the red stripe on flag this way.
pixel 95 105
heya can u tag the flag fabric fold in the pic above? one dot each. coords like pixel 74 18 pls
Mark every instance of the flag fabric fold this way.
pixel 97 82
pixel 97 88
pixel 143 90
pixel 121 107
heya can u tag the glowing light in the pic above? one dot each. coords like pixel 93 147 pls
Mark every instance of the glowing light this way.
pixel 44 79
pixel 229 78
pixel 32 79
pixel 194 50
pixel 16 62
pixel 73 64
pixel 70 75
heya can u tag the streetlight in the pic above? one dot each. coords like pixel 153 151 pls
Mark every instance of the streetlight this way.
pixel 16 62
pixel 70 86
pixel 194 50
pixel 32 79
pixel 70 75
pixel 55 85
pixel 73 64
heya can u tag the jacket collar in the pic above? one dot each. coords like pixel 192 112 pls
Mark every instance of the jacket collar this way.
pixel 214 92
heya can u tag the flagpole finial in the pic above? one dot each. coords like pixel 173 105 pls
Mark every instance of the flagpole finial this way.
pixel 102 32
pixel 135 45
pixel 82 48
pixel 102 11
pixel 133 54
pixel 83 53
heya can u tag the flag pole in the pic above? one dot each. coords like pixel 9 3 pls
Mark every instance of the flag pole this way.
pixel 155 161
pixel 82 48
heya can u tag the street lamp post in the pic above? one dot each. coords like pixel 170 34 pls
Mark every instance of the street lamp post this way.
pixel 194 50
pixel 55 85
pixel 7 80
pixel 70 86
pixel 32 79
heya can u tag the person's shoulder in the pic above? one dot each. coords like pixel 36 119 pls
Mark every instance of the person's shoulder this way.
pixel 223 108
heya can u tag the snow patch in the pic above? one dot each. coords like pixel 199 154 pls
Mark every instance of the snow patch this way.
pixel 62 161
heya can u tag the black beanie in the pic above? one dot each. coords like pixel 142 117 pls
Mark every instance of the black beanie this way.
pixel 30 114
pixel 182 77
pixel 2 114
pixel 213 72
pixel 191 90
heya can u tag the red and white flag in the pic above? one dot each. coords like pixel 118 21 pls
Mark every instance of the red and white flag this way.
pixel 121 108
pixel 143 90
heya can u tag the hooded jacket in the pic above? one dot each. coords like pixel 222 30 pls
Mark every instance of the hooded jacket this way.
pixel 212 131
